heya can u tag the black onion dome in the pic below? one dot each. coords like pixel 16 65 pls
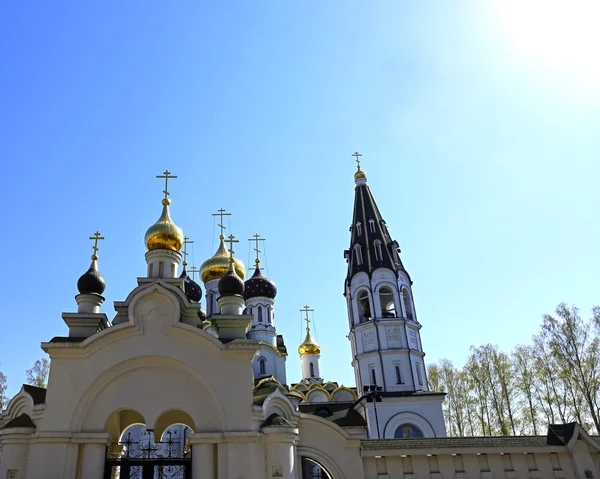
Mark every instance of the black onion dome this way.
pixel 92 281
pixel 231 284
pixel 192 289
pixel 260 285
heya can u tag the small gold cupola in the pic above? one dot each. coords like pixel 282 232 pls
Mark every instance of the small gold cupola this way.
pixel 164 234
pixel 309 346
pixel 360 174
pixel 216 266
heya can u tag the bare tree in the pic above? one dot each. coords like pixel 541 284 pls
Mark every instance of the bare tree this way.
pixel 3 386
pixel 38 374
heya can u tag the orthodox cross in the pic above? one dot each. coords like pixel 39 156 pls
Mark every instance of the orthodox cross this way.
pixel 96 238
pixel 231 240
pixel 256 238
pixel 306 310
pixel 186 241
pixel 166 175
pixel 221 213
pixel 194 270
pixel 358 155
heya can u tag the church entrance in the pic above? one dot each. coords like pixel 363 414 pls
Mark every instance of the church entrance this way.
pixel 139 456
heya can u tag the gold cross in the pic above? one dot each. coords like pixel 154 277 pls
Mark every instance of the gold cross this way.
pixel 96 238
pixel 194 270
pixel 221 213
pixel 306 309
pixel 358 155
pixel 186 241
pixel 231 240
pixel 166 175
pixel 256 238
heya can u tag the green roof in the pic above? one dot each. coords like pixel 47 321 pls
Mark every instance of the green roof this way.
pixel 453 442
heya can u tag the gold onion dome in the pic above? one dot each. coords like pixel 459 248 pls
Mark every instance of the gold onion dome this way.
pixel 164 234
pixel 359 174
pixel 309 346
pixel 217 266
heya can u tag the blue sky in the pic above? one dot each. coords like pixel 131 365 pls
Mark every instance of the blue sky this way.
pixel 478 125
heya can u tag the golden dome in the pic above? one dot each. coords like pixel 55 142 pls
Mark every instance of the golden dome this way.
pixel 164 234
pixel 359 174
pixel 217 266
pixel 309 346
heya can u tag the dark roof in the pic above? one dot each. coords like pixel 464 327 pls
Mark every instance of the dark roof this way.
pixel 20 421
pixel 281 344
pixel 560 434
pixel 37 394
pixel 453 442
pixel 231 284
pixel 275 420
pixel 66 339
pixel 260 394
pixel 191 289
pixel 365 209
pixel 91 282
pixel 341 414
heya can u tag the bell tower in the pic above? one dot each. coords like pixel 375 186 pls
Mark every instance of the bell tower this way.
pixel 388 356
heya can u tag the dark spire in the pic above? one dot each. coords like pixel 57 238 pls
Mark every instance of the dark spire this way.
pixel 91 282
pixel 191 288
pixel 259 285
pixel 369 235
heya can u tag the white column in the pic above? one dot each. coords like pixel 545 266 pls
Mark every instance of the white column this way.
pixel 203 461
pixel 307 360
pixel 163 263
pixel 92 462
pixel 281 452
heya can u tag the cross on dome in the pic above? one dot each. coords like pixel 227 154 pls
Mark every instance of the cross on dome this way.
pixel 221 213
pixel 166 175
pixel 256 238
pixel 97 237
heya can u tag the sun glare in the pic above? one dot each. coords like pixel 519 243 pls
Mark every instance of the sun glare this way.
pixel 563 36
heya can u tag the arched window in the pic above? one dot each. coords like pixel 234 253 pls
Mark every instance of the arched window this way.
pixel 372 225
pixel 209 304
pixel 373 377
pixel 358 253
pixel 311 469
pixel 407 304
pixel 359 228
pixel 260 318
pixel 312 370
pixel 263 366
pixel 384 228
pixel 378 252
pixel 364 306
pixel 386 299
pixel 405 431
pixel 269 314
pixel 398 375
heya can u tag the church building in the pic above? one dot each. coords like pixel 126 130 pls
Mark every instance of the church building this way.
pixel 224 408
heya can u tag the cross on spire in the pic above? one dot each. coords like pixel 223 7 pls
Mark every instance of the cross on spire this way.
pixel 221 213
pixel 97 237
pixel 231 240
pixel 166 175
pixel 186 241
pixel 357 155
pixel 256 238
pixel 194 270
pixel 306 310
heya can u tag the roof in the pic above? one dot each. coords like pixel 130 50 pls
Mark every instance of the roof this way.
pixel 365 209
pixel 342 414
pixel 20 421
pixel 66 339
pixel 560 434
pixel 275 420
pixel 454 442
pixel 37 394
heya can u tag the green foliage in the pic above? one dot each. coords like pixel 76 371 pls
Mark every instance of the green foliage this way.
pixel 38 374
pixel 3 386
pixel 555 379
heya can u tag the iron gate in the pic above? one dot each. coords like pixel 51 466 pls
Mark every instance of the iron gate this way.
pixel 154 460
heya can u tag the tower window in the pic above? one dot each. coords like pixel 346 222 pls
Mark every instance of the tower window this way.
pixel 407 304
pixel 407 431
pixel 359 228
pixel 373 377
pixel 262 363
pixel 364 306
pixel 372 225
pixel 386 299
pixel 260 318
pixel 312 370
pixel 419 374
pixel 398 375
pixel 384 228
pixel 269 315
pixel 377 248
pixel 358 253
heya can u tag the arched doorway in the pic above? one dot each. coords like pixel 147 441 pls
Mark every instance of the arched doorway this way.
pixel 311 469
pixel 140 455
